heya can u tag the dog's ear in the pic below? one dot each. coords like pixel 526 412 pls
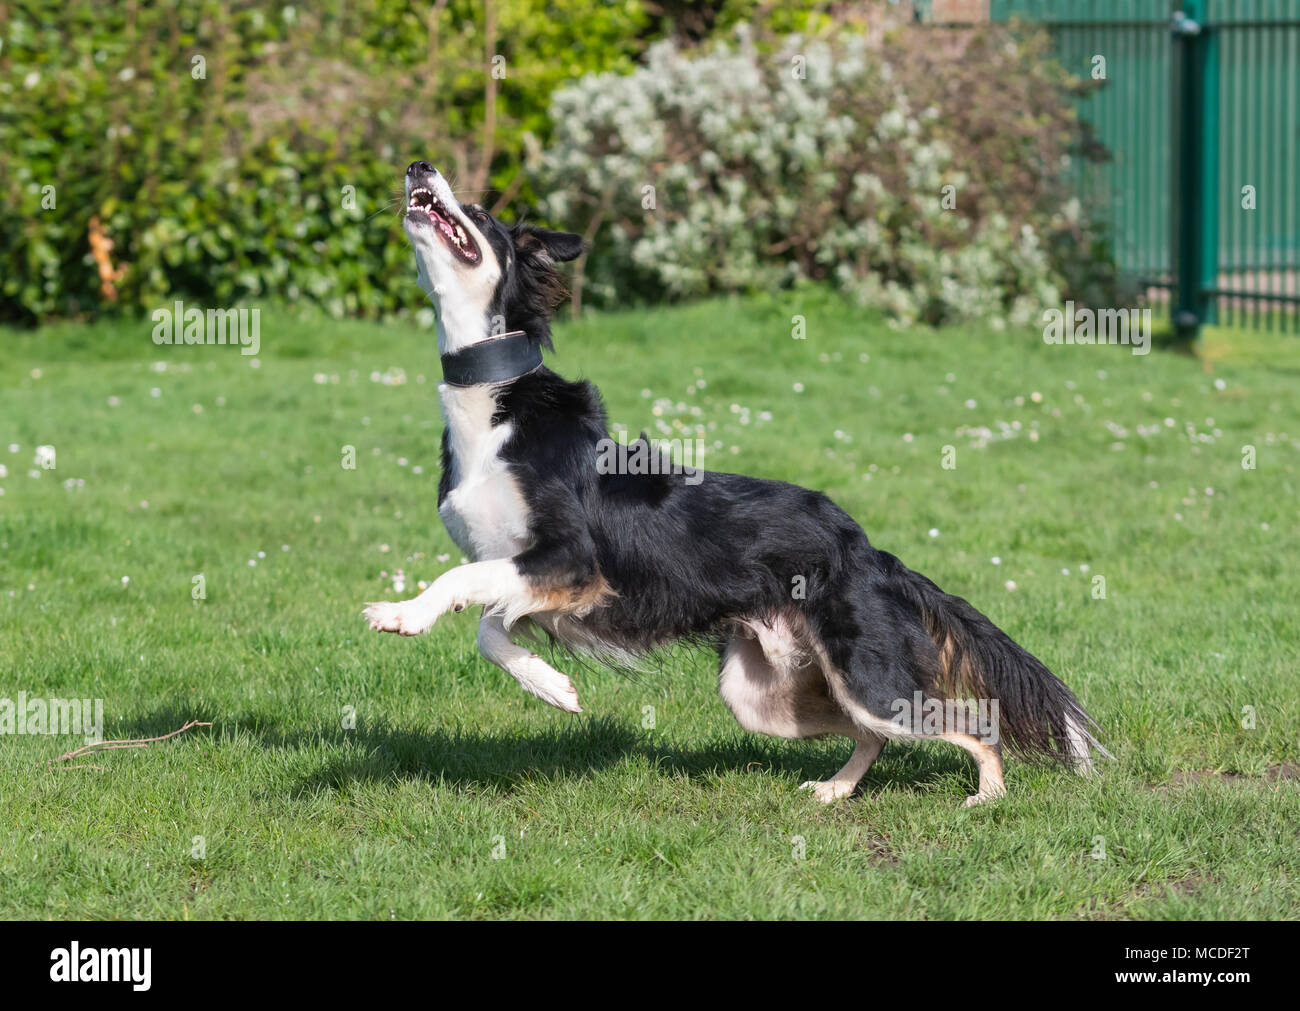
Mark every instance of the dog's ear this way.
pixel 560 246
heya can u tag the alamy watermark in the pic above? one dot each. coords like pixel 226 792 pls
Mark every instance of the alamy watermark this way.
pixel 75 964
pixel 1104 326
pixel 179 325
pixel 652 456
pixel 931 717
pixel 53 716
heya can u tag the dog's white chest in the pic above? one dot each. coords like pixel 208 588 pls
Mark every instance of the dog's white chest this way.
pixel 484 510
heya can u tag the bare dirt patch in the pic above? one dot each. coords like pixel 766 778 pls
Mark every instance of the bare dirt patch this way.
pixel 1193 777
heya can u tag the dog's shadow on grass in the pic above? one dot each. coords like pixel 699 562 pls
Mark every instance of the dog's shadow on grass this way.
pixel 506 760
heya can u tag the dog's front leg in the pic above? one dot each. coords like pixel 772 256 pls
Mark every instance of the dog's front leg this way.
pixel 534 674
pixel 495 584
pixel 506 596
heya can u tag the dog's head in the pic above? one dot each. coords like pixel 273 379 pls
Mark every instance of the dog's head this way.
pixel 484 278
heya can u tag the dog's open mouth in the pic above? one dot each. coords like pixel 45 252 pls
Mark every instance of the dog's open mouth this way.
pixel 423 202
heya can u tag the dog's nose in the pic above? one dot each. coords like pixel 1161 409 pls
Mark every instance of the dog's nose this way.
pixel 420 167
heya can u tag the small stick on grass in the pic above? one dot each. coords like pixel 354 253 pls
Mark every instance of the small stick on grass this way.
pixel 101 746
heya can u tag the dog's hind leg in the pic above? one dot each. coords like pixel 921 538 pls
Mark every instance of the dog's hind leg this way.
pixel 534 674
pixel 772 689
pixel 990 765
pixel 869 716
pixel 846 780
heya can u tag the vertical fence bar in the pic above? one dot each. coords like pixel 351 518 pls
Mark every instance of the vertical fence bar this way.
pixel 1251 169
pixel 1269 254
pixel 1274 255
pixel 1207 269
pixel 1232 154
pixel 1196 151
pixel 1290 152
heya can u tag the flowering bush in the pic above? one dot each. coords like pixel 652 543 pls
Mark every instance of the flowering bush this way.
pixel 921 171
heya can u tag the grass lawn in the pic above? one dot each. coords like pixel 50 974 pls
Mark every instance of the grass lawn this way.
pixel 456 795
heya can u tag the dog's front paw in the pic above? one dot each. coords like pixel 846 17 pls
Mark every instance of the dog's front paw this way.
pixel 407 618
pixel 539 678
pixel 558 692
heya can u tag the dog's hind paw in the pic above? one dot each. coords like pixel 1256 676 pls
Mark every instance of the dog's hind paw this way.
pixel 829 791
pixel 406 618
pixel 980 798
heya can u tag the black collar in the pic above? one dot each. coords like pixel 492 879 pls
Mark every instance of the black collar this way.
pixel 494 360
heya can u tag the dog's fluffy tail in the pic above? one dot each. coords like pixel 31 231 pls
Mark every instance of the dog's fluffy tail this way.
pixel 1038 715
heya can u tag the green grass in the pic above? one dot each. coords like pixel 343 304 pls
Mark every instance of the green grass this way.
pixel 598 815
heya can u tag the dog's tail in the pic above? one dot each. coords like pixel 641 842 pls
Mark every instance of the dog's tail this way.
pixel 1038 715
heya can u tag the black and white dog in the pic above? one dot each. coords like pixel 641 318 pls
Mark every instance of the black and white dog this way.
pixel 620 564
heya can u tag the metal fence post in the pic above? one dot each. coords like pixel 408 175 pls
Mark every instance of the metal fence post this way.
pixel 1196 145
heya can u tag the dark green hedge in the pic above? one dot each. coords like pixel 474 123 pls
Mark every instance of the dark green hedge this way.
pixel 235 150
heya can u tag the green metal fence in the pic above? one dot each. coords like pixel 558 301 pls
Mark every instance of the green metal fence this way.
pixel 1200 110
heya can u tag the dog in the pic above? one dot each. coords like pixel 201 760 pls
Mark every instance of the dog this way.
pixel 817 631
